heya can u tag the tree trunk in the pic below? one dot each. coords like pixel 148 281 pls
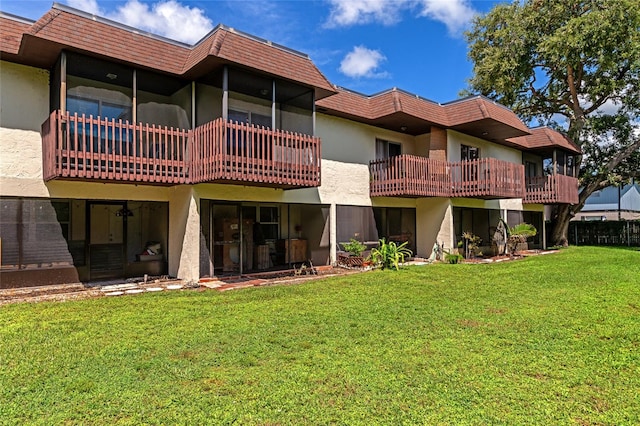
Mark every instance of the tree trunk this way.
pixel 560 224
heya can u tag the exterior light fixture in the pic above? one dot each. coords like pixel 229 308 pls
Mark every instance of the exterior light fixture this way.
pixel 403 128
pixel 112 76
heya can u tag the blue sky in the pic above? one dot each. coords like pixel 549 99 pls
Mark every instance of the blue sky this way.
pixel 363 45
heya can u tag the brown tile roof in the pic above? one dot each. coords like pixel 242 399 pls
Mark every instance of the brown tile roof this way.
pixel 383 104
pixel 394 109
pixel 269 58
pixel 478 108
pixel 11 30
pixel 100 38
pixel 542 138
pixel 66 28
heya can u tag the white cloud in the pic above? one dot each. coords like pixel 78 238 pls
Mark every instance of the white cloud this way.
pixel 351 12
pixel 455 14
pixel 90 6
pixel 362 62
pixel 168 18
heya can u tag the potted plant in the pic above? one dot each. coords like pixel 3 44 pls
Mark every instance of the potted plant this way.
pixel 355 249
pixel 518 235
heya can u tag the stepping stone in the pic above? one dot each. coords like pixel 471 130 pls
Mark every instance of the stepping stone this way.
pixel 114 293
pixel 117 287
pixel 134 291
pixel 155 289
pixel 211 284
pixel 174 286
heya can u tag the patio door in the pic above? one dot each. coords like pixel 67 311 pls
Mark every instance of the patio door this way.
pixel 106 229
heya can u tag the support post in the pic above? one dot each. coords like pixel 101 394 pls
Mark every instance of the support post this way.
pixel 273 104
pixel 193 105
pixel 63 82
pixel 332 234
pixel 134 101
pixel 313 112
pixel 225 93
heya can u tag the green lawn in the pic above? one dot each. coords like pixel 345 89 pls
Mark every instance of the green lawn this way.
pixel 547 340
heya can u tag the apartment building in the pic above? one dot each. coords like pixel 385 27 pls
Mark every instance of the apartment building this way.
pixel 124 153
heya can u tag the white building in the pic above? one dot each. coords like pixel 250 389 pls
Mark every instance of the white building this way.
pixel 236 155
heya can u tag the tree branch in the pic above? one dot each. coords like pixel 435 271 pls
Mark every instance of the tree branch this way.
pixel 621 155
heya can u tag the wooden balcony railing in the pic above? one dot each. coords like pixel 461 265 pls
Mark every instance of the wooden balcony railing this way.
pixel 226 151
pixel 409 176
pixel 487 178
pixel 88 148
pixel 413 176
pixel 552 189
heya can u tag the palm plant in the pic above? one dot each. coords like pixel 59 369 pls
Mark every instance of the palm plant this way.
pixel 390 255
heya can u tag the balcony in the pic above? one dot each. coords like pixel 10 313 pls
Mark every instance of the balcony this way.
pixel 487 178
pixel 413 176
pixel 552 189
pixel 231 152
pixel 87 148
pixel 409 176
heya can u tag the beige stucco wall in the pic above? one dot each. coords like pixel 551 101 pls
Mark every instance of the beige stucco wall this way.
pixel 24 106
pixel 351 142
pixel 184 233
pixel 434 222
pixel 487 149
pixel 24 103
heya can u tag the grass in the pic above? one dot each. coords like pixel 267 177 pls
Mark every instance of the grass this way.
pixel 547 340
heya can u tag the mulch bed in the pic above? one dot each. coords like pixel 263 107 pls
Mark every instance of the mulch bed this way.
pixel 79 291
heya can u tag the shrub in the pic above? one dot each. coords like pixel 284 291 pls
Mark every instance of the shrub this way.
pixel 453 258
pixel 389 254
pixel 355 247
pixel 471 243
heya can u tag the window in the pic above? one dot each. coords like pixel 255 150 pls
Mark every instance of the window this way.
pixel 530 169
pixel 34 232
pixel 249 117
pixel 469 152
pixel 396 224
pixel 386 149
pixel 268 218
pixel 105 111
pixel 547 166
pixel 570 166
pixel 269 222
pixel 356 222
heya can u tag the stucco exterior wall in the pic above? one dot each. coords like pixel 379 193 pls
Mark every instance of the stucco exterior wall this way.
pixel 24 103
pixel 487 149
pixel 351 142
pixel 434 222
pixel 24 106
pixel 184 233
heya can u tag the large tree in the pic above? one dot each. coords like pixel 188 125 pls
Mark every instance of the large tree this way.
pixel 572 64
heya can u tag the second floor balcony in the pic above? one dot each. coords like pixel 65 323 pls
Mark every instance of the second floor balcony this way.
pixel 552 189
pixel 96 149
pixel 413 176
